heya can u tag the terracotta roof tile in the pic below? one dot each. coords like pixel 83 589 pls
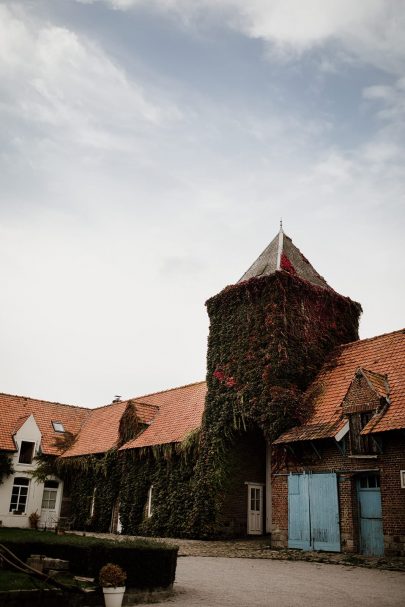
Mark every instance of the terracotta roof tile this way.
pixel 100 430
pixel 383 355
pixel 377 381
pixel 170 415
pixel 15 410
pixel 180 412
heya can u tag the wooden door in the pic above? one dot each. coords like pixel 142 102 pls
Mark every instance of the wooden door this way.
pixel 255 509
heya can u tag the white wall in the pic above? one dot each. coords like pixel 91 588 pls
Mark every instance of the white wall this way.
pixel 30 432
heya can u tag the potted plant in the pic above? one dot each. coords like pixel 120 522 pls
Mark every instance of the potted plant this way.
pixel 112 579
pixel 34 520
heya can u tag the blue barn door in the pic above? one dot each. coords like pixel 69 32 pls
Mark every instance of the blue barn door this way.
pixel 370 513
pixel 324 504
pixel 298 512
pixel 313 512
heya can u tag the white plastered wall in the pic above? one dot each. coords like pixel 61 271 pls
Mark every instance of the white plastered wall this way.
pixel 29 432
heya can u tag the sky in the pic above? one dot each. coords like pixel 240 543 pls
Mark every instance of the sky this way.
pixel 149 148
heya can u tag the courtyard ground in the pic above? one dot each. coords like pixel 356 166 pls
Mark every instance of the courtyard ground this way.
pixel 248 573
pixel 259 548
pixel 241 582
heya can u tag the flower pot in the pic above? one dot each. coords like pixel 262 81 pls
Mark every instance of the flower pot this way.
pixel 113 596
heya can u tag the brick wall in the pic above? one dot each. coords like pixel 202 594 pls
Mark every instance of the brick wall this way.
pixel 388 465
pixel 360 397
pixel 248 466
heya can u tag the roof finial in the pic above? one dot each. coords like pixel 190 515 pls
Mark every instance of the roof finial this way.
pixel 280 245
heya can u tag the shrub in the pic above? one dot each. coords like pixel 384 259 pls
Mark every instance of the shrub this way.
pixel 148 564
pixel 112 575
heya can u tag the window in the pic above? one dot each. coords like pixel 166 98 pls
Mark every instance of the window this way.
pixel 49 495
pixel 149 505
pixel 19 495
pixel 93 503
pixel 58 426
pixel 26 452
pixel 361 444
pixel 255 498
pixel 369 481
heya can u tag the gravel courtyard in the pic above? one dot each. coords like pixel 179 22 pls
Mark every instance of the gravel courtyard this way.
pixel 241 582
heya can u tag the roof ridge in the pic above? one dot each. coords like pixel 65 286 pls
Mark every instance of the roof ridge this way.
pixel 195 383
pixel 48 402
pixel 360 341
pixel 138 399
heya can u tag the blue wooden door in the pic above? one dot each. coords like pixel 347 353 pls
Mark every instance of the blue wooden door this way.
pixel 324 506
pixel 370 513
pixel 298 512
pixel 313 512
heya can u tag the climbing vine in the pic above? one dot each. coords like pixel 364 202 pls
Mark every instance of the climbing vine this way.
pixel 268 338
pixel 6 467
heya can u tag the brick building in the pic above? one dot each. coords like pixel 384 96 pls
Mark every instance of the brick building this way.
pixel 354 443
pixel 307 422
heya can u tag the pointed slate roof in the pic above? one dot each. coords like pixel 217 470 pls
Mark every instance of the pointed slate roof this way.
pixel 282 255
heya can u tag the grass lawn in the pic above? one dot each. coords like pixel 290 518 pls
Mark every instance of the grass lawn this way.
pixel 14 580
pixel 50 537
pixel 147 563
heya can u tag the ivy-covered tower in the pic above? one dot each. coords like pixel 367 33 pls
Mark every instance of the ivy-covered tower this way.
pixel 269 335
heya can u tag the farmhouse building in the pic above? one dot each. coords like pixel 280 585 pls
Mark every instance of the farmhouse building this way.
pixel 298 431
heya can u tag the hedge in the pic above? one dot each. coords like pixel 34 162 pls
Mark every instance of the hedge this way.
pixel 147 564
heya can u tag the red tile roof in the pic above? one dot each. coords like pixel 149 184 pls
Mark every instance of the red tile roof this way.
pixel 383 355
pixel 15 410
pixel 377 382
pixel 100 430
pixel 180 412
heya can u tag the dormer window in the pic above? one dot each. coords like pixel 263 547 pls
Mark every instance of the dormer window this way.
pixel 26 452
pixel 361 444
pixel 58 426
pixel 366 398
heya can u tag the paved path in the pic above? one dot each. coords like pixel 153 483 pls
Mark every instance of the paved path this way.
pixel 259 548
pixel 237 582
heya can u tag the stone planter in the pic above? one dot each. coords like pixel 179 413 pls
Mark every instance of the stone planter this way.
pixel 113 596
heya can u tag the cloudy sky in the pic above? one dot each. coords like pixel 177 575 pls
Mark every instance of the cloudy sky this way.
pixel 148 149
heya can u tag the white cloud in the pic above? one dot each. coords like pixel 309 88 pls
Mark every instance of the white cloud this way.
pixel 68 88
pixel 393 100
pixel 370 31
pixel 121 214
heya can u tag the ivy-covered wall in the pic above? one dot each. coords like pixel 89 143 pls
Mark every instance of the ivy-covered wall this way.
pixel 268 338
pixel 91 486
pixel 122 479
pixel 170 473
pixel 6 467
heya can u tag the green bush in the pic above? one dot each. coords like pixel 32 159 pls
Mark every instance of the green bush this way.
pixel 147 564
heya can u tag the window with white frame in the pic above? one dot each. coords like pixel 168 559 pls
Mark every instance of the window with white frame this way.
pixel 49 495
pixel 149 505
pixel 19 495
pixel 26 455
pixel 58 426
pixel 93 503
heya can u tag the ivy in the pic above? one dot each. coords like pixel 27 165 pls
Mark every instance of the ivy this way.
pixel 269 336
pixel 6 466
